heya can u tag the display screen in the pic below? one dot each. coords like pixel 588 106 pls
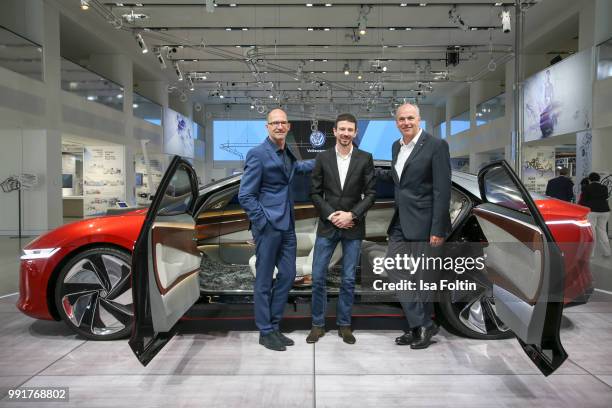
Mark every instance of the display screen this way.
pixel 232 139
pixel 139 179
pixel 377 136
pixel 66 180
pixel 178 134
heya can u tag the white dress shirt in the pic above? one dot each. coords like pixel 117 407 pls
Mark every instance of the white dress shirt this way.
pixel 343 165
pixel 404 152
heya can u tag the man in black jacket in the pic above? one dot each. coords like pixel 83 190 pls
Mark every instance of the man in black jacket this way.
pixel 420 170
pixel 561 187
pixel 343 189
pixel 595 196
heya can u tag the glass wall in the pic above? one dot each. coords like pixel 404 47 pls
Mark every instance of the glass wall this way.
pixel 491 109
pixel 20 55
pixel 604 60
pixel 460 123
pixel 146 109
pixel 440 130
pixel 90 86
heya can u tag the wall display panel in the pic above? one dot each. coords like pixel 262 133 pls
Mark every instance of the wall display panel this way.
pixel 178 134
pixel 104 183
pixel 538 167
pixel 584 155
pixel 232 139
pixel 143 190
pixel 558 100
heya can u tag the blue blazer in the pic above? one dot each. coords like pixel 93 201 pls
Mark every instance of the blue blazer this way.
pixel 265 188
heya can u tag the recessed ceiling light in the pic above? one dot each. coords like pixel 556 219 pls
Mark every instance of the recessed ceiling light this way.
pixel 228 29
pixel 403 4
pixel 326 29
pixel 498 3
pixel 391 28
pixel 119 4
pixel 238 46
pixel 310 29
pixel 245 29
pixel 408 28
pixel 308 4
pixel 232 5
pixel 311 60
pixel 474 28
pixel 138 4
pixel 324 60
pixel 422 4
pixel 324 72
pixel 328 4
pixel 299 89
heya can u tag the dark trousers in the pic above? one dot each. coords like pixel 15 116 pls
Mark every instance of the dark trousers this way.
pixel 273 248
pixel 416 305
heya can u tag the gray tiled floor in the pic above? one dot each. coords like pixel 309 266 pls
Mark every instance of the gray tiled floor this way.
pixel 229 369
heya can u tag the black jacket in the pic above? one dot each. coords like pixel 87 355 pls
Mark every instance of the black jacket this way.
pixel 595 196
pixel 560 187
pixel 358 195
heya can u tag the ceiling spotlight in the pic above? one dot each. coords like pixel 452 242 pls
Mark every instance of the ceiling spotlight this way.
pixel 498 4
pixel 328 4
pixel 160 58
pixel 84 4
pixel 190 83
pixel 403 4
pixel 308 4
pixel 422 4
pixel 506 23
pixel 359 75
pixel 141 43
pixel 346 69
pixel 177 69
pixel 363 22
pixel 326 29
pixel 384 68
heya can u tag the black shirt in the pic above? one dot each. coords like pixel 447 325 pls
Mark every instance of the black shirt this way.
pixel 595 196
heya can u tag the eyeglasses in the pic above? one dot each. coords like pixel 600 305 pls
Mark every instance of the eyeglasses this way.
pixel 278 123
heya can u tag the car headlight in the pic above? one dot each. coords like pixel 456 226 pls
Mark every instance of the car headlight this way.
pixel 38 253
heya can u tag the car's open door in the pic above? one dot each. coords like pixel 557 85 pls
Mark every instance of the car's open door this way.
pixel 165 262
pixel 523 264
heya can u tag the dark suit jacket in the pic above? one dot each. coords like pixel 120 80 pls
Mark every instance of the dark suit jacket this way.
pixel 422 195
pixel 595 196
pixel 560 187
pixel 358 195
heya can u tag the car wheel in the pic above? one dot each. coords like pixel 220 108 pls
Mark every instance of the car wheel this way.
pixel 93 293
pixel 471 314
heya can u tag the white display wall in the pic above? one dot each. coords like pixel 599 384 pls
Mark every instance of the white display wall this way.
pixel 156 166
pixel 104 174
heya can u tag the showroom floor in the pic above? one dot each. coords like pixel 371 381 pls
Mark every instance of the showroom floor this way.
pixel 229 368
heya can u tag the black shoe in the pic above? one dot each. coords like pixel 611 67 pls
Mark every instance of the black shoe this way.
pixel 272 342
pixel 315 334
pixel 405 339
pixel 346 334
pixel 284 339
pixel 423 336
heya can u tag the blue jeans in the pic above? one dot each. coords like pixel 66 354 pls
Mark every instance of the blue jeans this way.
pixel 323 250
pixel 274 248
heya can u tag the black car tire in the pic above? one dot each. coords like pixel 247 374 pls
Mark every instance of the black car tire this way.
pixel 449 312
pixel 93 293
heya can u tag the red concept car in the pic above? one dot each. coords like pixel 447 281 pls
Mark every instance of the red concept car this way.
pixel 139 272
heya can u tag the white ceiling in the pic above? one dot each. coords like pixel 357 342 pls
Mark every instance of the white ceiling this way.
pixel 270 51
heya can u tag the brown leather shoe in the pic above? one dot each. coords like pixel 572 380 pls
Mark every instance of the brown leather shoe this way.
pixel 315 334
pixel 347 335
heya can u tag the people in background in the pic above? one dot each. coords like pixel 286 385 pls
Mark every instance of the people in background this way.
pixel 561 187
pixel 583 183
pixel 595 196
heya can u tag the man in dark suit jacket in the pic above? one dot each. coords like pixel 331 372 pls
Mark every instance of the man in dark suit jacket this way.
pixel 343 189
pixel 561 187
pixel 420 169
pixel 265 195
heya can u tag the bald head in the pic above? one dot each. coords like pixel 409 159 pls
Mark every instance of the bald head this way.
pixel 278 126
pixel 408 121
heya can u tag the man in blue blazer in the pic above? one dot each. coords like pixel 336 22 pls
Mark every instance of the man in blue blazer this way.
pixel 265 195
